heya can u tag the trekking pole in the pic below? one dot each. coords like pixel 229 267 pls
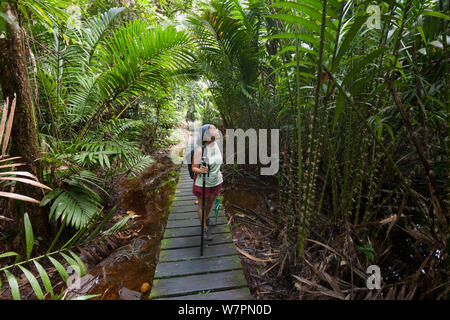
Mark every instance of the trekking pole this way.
pixel 203 204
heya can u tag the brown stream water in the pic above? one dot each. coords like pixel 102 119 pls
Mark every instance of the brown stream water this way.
pixel 133 265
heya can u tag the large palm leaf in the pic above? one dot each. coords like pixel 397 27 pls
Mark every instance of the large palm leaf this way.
pixel 136 58
pixel 227 36
pixel 75 203
pixel 96 28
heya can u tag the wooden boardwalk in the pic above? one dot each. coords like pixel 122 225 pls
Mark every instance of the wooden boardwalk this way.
pixel 183 274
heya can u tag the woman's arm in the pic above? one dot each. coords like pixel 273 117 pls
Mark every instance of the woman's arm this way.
pixel 197 162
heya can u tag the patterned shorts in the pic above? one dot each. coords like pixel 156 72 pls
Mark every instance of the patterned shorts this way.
pixel 198 191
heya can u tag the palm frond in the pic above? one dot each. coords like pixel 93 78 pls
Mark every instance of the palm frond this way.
pixel 136 165
pixel 97 27
pixel 83 103
pixel 77 204
pixel 74 263
pixel 137 58
pixel 49 12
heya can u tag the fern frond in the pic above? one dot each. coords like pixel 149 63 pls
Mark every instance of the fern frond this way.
pixel 77 205
pixel 136 165
pixel 73 261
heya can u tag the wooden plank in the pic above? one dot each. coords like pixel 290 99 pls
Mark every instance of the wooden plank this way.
pixel 185 175
pixel 191 211
pixel 184 202
pixel 197 283
pixel 183 192
pixel 195 221
pixel 184 188
pixel 194 252
pixel 188 191
pixel 127 294
pixel 194 241
pixel 181 272
pixel 185 197
pixel 184 268
pixel 184 208
pixel 185 184
pixel 193 231
pixel 183 215
pixel 233 294
pixel 194 215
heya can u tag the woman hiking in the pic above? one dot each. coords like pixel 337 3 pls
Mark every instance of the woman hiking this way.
pixel 211 172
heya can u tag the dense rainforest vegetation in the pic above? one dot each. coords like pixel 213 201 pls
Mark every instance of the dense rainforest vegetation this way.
pixel 91 90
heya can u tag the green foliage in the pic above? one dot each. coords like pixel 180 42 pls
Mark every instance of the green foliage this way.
pixel 104 68
pixel 96 28
pixel 77 203
pixel 137 165
pixel 94 82
pixel 136 58
pixel 368 251
pixel 49 12
pixel 74 261
pixel 363 112
pixel 206 112
pixel 118 225
pixel 87 89
pixel 8 173
pixel 29 238
pixel 357 100
pixel 227 37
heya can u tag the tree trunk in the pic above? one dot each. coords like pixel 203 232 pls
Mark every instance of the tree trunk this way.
pixel 24 137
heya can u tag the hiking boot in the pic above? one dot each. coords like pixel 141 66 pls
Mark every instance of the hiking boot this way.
pixel 210 222
pixel 207 235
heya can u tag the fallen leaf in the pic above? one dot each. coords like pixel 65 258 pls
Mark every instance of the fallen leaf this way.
pixel 252 257
pixel 145 287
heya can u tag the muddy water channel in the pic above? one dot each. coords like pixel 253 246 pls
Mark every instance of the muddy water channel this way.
pixel 127 273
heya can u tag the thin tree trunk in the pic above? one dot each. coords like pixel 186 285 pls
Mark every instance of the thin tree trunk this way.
pixel 24 137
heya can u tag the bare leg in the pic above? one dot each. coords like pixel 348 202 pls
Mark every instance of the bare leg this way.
pixel 208 205
pixel 199 210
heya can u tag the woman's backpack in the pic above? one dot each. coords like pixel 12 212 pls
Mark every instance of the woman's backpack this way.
pixel 200 140
pixel 191 173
